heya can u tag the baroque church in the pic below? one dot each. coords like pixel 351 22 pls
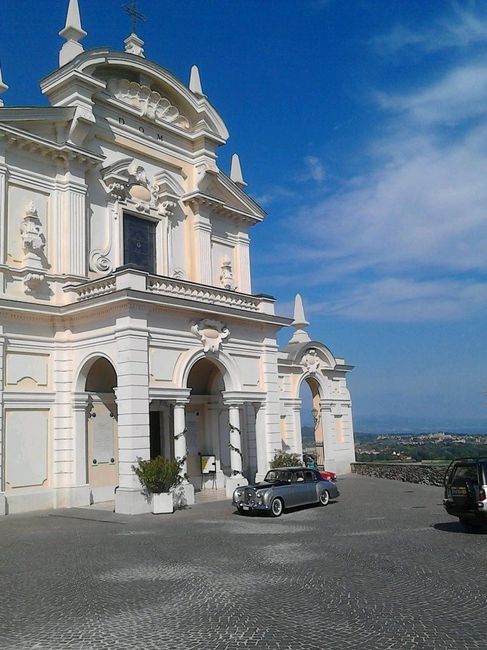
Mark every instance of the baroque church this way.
pixel 128 326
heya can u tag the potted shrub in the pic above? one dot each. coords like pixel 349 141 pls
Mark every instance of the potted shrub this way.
pixel 283 459
pixel 159 477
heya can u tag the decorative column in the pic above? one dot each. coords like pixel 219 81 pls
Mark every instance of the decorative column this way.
pixel 261 441
pixel 237 478
pixel 213 411
pixel 185 492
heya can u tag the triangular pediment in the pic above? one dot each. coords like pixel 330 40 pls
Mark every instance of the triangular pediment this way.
pixel 223 190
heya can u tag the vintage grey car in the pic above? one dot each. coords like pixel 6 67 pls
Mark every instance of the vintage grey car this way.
pixel 286 487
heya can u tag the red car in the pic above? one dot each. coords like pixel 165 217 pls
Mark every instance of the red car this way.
pixel 329 476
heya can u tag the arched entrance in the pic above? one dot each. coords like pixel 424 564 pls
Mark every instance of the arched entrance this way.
pixel 309 394
pixel 101 430
pixel 207 428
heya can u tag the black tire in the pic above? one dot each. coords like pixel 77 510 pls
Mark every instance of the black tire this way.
pixel 277 507
pixel 324 498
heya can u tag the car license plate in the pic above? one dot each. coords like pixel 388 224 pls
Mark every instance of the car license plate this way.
pixel 459 491
pixel 245 507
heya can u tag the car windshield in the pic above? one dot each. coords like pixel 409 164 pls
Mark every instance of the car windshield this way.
pixel 278 475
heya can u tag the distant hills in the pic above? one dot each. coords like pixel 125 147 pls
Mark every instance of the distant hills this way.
pixel 398 425
pixel 407 425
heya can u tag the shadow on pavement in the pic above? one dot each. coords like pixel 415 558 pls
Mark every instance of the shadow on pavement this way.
pixel 457 527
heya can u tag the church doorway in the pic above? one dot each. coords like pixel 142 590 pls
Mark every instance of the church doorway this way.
pixel 207 427
pixel 313 444
pixel 101 430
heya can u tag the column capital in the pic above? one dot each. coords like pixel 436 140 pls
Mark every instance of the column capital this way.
pixel 181 402
pixel 80 401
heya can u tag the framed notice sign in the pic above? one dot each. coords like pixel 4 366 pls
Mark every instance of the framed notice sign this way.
pixel 208 464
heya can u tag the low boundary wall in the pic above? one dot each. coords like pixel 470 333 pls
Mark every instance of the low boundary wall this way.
pixel 408 472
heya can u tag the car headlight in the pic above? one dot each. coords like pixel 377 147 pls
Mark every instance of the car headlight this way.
pixel 260 495
pixel 238 493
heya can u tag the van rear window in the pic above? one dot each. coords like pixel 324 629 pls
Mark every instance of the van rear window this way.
pixel 463 473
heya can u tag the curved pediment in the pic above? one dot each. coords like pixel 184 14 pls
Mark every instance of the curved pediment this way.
pixel 141 86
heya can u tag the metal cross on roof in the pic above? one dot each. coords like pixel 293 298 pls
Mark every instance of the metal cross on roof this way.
pixel 135 15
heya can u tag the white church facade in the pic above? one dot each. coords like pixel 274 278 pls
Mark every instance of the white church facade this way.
pixel 128 326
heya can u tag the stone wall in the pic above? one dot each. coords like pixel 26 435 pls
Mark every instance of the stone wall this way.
pixel 407 472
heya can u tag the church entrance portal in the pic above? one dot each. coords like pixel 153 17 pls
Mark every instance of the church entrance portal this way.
pixel 207 427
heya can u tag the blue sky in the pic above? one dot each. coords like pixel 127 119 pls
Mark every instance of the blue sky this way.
pixel 362 129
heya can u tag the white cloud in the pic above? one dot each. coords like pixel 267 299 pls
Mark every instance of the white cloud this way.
pixel 315 169
pixel 465 25
pixel 460 95
pixel 407 240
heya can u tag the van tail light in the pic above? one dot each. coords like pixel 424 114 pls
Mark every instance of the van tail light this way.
pixel 482 496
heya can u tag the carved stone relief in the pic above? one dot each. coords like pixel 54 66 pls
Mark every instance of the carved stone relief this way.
pixel 148 102
pixel 212 333
pixel 33 239
pixel 226 276
pixel 310 361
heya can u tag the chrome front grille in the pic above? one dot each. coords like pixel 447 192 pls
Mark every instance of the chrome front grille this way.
pixel 249 496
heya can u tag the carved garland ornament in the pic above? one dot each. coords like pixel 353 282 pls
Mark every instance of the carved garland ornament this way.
pixel 212 333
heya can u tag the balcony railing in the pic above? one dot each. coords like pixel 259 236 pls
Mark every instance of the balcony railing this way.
pixel 164 286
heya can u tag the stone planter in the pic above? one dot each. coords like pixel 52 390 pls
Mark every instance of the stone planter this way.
pixel 162 503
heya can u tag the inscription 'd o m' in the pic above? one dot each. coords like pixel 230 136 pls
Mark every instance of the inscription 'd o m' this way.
pixel 156 136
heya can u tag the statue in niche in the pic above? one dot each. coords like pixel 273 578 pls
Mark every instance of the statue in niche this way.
pixel 226 276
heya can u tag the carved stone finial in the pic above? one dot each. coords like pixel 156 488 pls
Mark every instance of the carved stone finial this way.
pixel 3 87
pixel 236 172
pixel 212 333
pixel 134 45
pixel 226 276
pixel 195 81
pixel 300 323
pixel 72 33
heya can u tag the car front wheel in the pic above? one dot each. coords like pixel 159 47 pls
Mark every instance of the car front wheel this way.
pixel 324 498
pixel 277 507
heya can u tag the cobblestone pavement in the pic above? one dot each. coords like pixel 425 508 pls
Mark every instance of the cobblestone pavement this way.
pixel 383 567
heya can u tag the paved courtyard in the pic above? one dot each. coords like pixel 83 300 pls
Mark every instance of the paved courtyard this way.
pixel 383 567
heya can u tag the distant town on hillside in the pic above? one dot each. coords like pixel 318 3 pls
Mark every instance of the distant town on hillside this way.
pixel 411 447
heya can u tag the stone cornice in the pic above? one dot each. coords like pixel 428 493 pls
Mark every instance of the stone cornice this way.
pixel 220 207
pixel 34 143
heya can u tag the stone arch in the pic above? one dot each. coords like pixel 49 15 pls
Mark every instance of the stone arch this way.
pixel 85 367
pixel 96 425
pixel 223 361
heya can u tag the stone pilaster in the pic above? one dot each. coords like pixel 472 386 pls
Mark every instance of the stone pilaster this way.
pixel 202 263
pixel 243 263
pixel 132 394
pixel 3 501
